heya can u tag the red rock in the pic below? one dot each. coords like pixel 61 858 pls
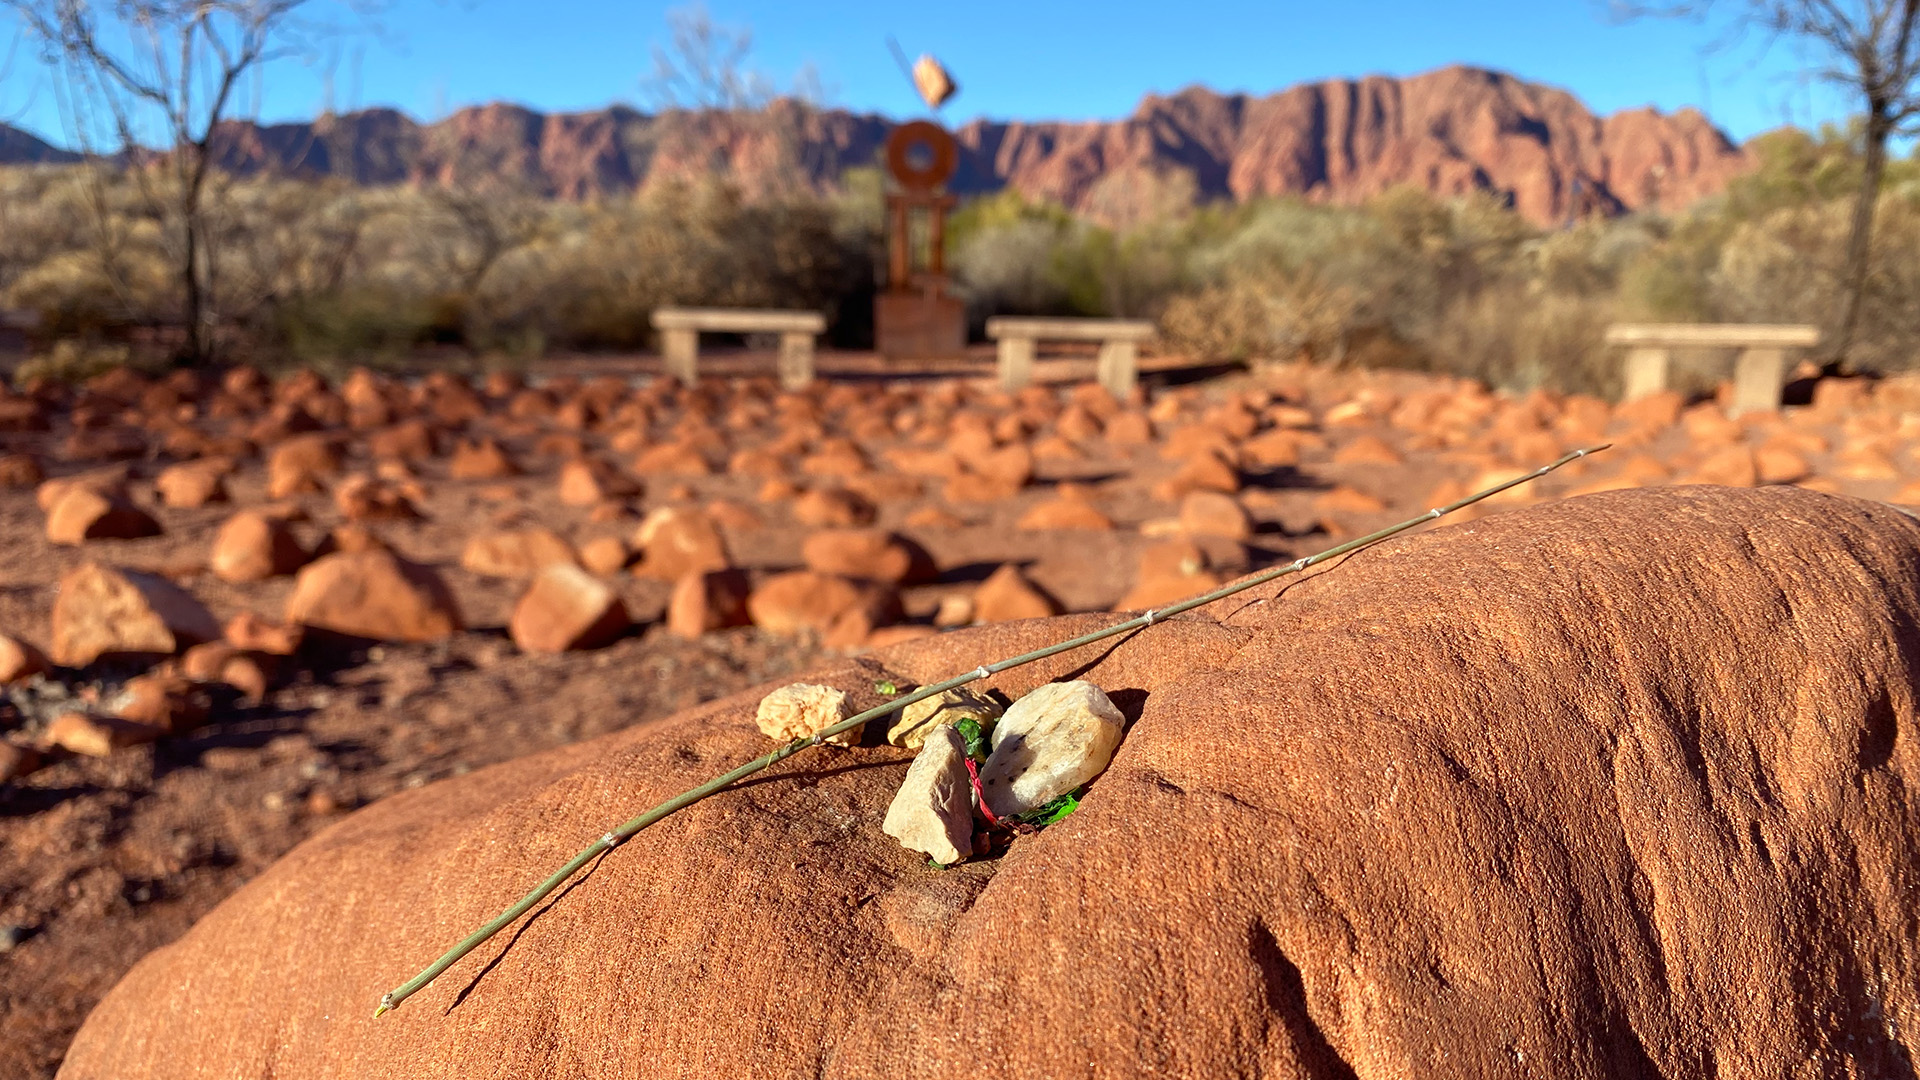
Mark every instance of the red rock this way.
pixel 672 459
pixel 169 704
pixel 409 440
pixel 1733 467
pixel 567 608
pixel 84 513
pixel 1657 410
pixel 348 538
pixel 757 463
pixel 364 498
pixel 801 600
pixel 887 636
pixel 102 610
pixel 249 632
pixel 299 463
pixel 972 488
pixel 518 554
pixel 708 601
pixel 938 463
pixel 935 518
pixel 731 515
pixel 675 541
pixel 20 471
pixel 1065 514
pixel 1129 429
pixel 481 460
pixel 252 546
pixel 585 481
pixel 1011 466
pixel 374 595
pixel 604 555
pixel 17 761
pixel 1368 450
pixel 1170 571
pixel 1212 513
pixel 830 508
pixel 194 483
pixel 1008 594
pixel 19 660
pixel 1350 500
pixel 97 736
pixel 873 554
pixel 1201 473
pixel 203 662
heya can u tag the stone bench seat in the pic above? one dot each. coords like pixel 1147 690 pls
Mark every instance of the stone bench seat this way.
pixel 1119 347
pixel 1758 375
pixel 680 330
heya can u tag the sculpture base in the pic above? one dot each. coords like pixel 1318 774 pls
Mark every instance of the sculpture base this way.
pixel 916 326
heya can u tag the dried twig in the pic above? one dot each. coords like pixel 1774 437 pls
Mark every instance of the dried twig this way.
pixel 679 802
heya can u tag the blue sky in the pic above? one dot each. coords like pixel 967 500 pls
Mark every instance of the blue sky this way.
pixel 1041 59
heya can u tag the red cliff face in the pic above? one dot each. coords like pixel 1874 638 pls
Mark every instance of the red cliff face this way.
pixel 1451 131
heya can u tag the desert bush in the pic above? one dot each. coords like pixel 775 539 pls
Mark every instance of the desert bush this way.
pixel 321 272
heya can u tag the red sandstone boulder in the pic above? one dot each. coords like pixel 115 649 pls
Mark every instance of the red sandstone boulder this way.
pixel 516 554
pixel 1212 513
pixel 19 660
pixel 567 608
pixel 676 541
pixel 110 611
pixel 874 554
pixel 1008 594
pixel 832 508
pixel 707 601
pixel 85 513
pixel 193 484
pixel 376 595
pixel 1287 863
pixel 252 546
pixel 481 460
pixel 802 600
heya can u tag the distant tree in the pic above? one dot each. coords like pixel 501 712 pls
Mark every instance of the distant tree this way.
pixel 160 78
pixel 1871 54
pixel 705 69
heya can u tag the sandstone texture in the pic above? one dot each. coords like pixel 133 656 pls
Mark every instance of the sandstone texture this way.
pixel 1618 786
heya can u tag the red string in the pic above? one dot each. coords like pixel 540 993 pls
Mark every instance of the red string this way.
pixel 973 774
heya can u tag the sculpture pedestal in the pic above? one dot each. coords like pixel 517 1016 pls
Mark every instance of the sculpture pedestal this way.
pixel 919 326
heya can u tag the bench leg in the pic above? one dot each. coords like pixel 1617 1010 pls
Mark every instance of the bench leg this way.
pixel 680 351
pixel 796 360
pixel 1757 377
pixel 1119 367
pixel 1016 362
pixel 1646 373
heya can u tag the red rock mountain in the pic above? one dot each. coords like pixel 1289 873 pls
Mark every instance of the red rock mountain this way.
pixel 1450 131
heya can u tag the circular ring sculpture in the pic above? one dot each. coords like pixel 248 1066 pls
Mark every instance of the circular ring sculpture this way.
pixel 942 155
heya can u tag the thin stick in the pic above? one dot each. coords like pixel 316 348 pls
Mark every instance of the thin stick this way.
pixel 679 802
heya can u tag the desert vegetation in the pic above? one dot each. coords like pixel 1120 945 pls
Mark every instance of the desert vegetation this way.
pixel 324 272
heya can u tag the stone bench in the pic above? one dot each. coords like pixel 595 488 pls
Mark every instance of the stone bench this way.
pixel 680 330
pixel 1757 376
pixel 1119 347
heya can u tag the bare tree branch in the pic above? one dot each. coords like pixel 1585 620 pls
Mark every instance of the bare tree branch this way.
pixel 178 65
pixel 1874 57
